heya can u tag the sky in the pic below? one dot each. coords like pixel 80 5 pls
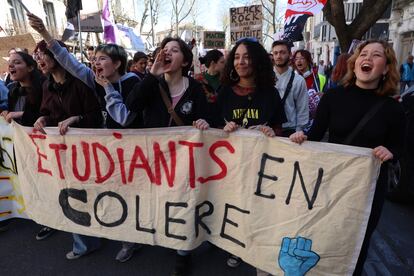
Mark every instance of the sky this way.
pixel 210 13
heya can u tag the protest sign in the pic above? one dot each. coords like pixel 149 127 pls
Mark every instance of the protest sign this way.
pixel 214 40
pixel 11 199
pixel 246 22
pixel 90 22
pixel 277 205
pixel 7 42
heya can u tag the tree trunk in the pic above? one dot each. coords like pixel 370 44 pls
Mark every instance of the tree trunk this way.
pixel 370 12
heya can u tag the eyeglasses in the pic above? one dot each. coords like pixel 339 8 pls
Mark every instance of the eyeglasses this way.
pixel 247 39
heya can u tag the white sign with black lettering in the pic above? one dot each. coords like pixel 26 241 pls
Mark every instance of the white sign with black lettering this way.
pixel 246 22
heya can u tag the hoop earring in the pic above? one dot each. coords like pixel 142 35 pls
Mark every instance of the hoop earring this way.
pixel 232 77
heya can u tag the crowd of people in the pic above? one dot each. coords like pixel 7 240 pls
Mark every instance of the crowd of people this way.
pixel 285 95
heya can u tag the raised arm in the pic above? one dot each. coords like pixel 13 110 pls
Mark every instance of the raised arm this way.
pixel 65 59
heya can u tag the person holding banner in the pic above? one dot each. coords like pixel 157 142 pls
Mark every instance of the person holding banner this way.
pixel 66 102
pixel 168 97
pixel 110 62
pixel 25 91
pixel 110 77
pixel 377 120
pixel 248 97
pixel 22 102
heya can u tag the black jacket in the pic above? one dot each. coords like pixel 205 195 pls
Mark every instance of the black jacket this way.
pixel 72 98
pixel 146 98
pixel 31 109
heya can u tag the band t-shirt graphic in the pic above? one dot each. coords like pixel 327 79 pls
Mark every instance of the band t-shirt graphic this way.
pixel 257 108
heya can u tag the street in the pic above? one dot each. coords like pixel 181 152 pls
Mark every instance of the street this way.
pixel 391 253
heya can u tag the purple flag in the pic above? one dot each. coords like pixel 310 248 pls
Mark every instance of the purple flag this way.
pixel 109 26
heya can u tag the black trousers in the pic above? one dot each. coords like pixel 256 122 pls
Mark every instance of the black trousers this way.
pixel 377 204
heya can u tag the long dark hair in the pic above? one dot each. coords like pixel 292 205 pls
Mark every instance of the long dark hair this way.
pixel 260 62
pixel 35 95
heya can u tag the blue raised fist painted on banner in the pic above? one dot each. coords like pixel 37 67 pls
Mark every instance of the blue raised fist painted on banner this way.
pixel 296 257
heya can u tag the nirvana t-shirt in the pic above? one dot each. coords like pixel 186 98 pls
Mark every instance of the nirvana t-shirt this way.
pixel 263 106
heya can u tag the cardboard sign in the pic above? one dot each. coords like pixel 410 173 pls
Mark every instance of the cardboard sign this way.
pixel 277 205
pixel 91 22
pixel 246 22
pixel 214 40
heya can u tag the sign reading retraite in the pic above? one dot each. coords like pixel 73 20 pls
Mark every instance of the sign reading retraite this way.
pixel 246 22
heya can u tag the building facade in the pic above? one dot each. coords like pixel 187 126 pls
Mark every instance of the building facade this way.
pixel 402 28
pixel 13 19
pixel 321 39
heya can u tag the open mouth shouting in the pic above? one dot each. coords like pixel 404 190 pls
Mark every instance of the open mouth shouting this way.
pixel 42 65
pixel 12 72
pixel 167 60
pixel 99 71
pixel 366 67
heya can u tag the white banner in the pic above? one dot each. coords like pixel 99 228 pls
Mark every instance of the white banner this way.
pixel 11 199
pixel 277 205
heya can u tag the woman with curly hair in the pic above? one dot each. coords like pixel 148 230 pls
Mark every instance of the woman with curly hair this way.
pixel 371 79
pixel 248 97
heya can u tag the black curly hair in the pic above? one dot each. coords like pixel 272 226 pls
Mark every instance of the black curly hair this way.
pixel 262 66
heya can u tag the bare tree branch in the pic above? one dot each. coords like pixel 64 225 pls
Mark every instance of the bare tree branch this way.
pixel 177 11
pixel 370 12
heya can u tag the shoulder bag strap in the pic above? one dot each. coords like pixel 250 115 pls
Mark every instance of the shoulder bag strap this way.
pixel 178 121
pixel 368 116
pixel 288 88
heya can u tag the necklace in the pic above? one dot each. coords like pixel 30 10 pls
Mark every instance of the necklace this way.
pixel 244 91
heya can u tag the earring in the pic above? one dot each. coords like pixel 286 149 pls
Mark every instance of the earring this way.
pixel 232 77
pixel 384 77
